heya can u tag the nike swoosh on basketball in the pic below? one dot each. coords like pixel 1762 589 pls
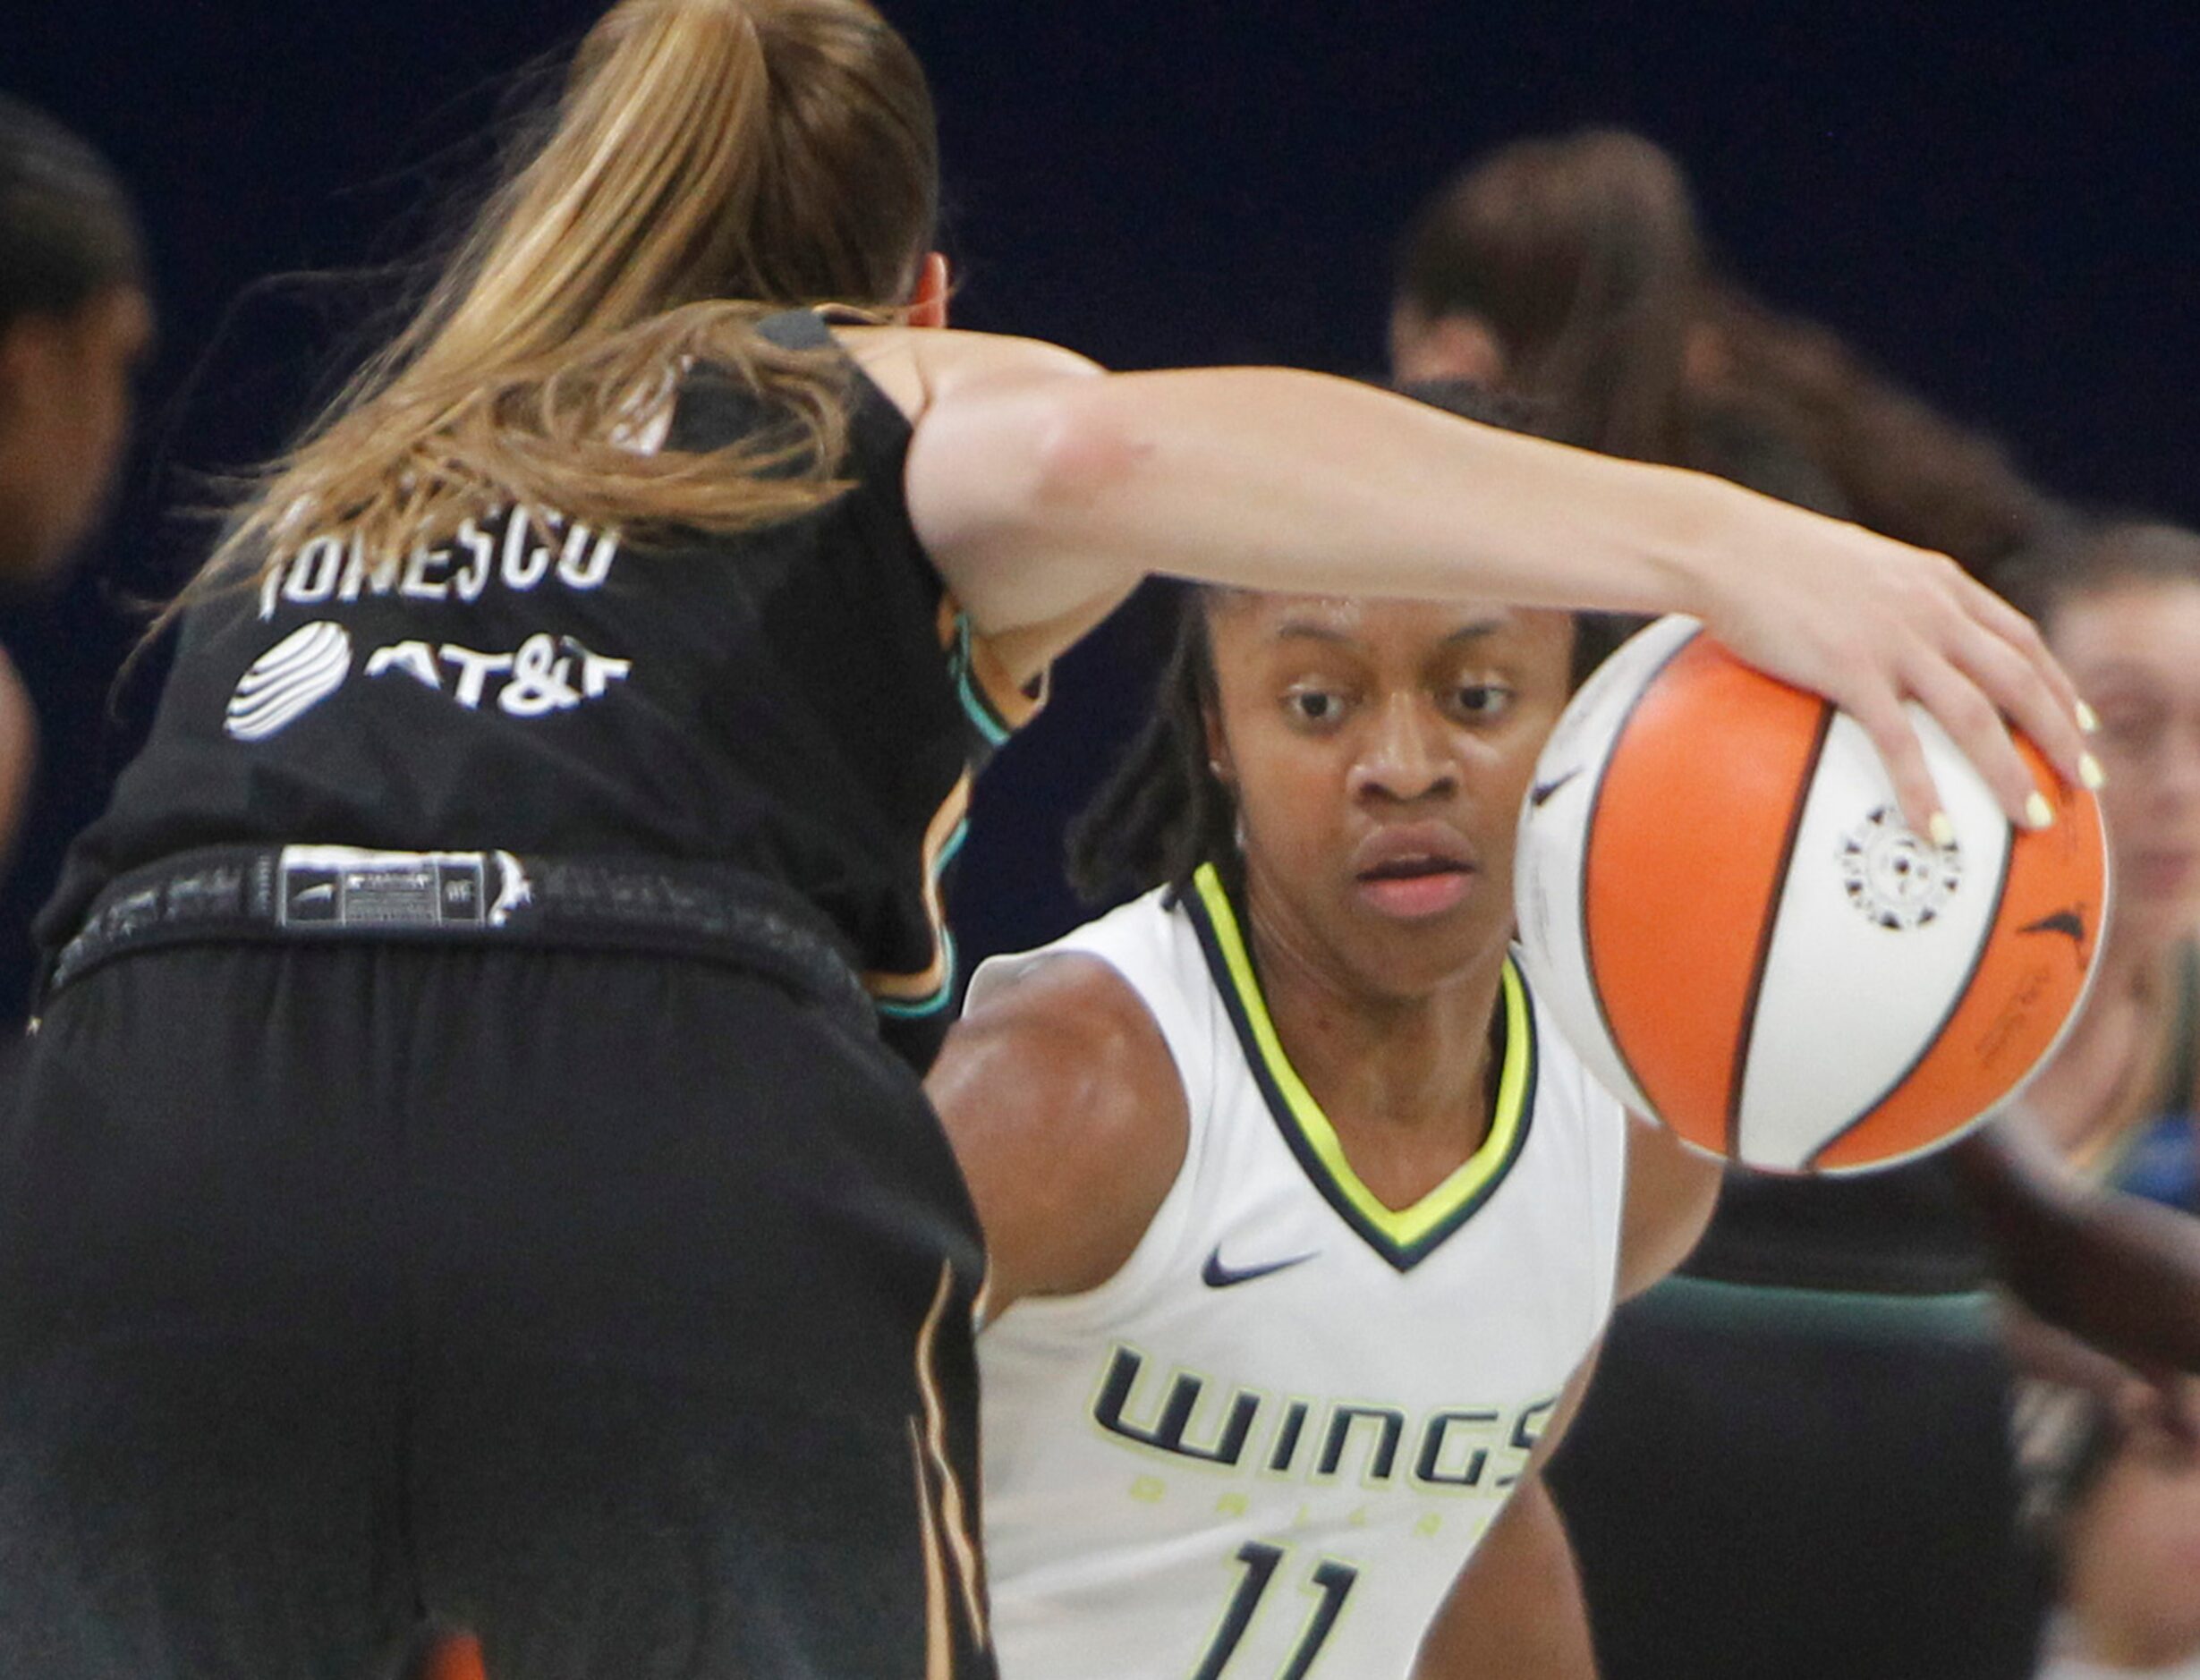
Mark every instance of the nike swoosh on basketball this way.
pixel 1215 1274
pixel 1543 791
pixel 2071 923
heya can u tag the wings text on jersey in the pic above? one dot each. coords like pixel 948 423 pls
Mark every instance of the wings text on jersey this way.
pixel 1461 1448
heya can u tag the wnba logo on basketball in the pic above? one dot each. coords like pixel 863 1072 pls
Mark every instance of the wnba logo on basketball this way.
pixel 1894 878
pixel 1721 905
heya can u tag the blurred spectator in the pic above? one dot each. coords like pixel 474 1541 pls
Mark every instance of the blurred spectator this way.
pixel 2128 1591
pixel 75 321
pixel 1572 269
pixel 1820 1401
pixel 2120 603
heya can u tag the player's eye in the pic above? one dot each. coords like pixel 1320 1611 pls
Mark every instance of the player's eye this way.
pixel 1481 702
pixel 1308 704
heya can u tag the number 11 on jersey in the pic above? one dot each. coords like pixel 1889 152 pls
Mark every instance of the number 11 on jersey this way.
pixel 1332 1579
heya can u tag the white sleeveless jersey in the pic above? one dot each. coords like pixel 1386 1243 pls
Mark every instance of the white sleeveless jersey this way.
pixel 1264 1448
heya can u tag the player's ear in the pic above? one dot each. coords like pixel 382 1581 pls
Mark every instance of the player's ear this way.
pixel 1217 749
pixel 928 304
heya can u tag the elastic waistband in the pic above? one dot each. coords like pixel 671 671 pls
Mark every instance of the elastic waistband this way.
pixel 249 893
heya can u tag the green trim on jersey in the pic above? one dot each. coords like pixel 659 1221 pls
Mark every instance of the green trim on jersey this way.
pixel 1405 1235
pixel 942 995
pixel 977 705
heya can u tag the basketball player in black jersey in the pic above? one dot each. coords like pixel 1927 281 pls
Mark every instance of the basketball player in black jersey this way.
pixel 459 1170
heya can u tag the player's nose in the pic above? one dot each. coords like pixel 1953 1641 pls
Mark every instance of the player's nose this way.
pixel 1405 754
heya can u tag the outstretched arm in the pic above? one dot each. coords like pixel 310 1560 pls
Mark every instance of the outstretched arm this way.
pixel 1044 489
pixel 2118 1273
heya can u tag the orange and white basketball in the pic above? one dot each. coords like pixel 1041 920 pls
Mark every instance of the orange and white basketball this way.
pixel 1719 901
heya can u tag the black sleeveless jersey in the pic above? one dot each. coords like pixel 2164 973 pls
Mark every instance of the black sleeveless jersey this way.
pixel 805 702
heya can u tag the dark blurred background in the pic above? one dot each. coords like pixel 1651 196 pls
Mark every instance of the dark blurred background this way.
pixel 1996 202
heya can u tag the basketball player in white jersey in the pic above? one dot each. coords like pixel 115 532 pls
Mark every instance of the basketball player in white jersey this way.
pixel 1303 1224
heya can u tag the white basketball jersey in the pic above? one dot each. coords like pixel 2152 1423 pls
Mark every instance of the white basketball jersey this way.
pixel 1265 1447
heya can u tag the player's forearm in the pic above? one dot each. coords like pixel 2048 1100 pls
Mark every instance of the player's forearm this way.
pixel 2118 1272
pixel 1046 492
pixel 1279 479
pixel 1517 1611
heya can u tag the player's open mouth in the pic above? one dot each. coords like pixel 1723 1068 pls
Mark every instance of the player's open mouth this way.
pixel 1415 886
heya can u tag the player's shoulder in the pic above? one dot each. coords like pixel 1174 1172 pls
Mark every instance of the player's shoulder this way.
pixel 918 366
pixel 1060 1094
pixel 1072 1014
pixel 1148 942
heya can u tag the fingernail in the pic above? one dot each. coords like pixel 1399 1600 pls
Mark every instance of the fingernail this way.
pixel 1943 831
pixel 2038 813
pixel 2089 772
pixel 2088 719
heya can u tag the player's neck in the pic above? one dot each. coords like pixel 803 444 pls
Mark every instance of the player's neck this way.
pixel 1404 1081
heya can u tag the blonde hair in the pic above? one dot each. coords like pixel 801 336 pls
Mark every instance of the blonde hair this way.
pixel 710 162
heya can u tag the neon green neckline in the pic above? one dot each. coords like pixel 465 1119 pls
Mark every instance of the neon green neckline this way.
pixel 1404 1227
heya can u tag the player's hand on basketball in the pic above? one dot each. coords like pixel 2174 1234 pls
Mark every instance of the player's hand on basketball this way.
pixel 1872 624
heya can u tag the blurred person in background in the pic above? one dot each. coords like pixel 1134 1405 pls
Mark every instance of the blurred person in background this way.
pixel 2121 602
pixel 76 319
pixel 2117 1481
pixel 1572 269
pixel 1835 1345
pixel 2128 1529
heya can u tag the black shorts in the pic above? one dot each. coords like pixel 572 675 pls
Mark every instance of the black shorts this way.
pixel 615 1306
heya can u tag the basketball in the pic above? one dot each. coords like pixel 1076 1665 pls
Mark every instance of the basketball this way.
pixel 1721 905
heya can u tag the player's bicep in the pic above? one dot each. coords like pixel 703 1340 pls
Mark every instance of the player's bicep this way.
pixel 1062 1102
pixel 1517 1611
pixel 1562 1414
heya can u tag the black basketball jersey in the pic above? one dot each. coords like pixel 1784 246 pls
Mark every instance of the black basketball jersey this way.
pixel 804 701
